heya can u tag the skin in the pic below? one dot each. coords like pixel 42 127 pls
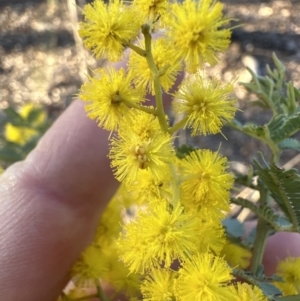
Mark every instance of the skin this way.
pixel 50 204
pixel 49 207
pixel 278 247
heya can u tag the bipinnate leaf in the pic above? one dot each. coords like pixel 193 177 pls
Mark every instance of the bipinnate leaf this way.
pixel 270 290
pixel 290 143
pixel 265 212
pixel 233 227
pixel 263 282
pixel 284 126
pixel 284 187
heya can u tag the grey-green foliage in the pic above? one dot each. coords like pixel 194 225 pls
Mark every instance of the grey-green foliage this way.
pixel 265 212
pixel 260 280
pixel 282 99
pixel 284 187
pixel 234 228
pixel 274 184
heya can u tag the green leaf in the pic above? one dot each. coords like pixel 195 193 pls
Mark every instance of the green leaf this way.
pixel 290 143
pixel 276 122
pixel 270 290
pixel 266 212
pixel 254 130
pixel 288 126
pixel 184 150
pixel 284 187
pixel 10 154
pixel 260 104
pixel 13 115
pixel 291 98
pixel 284 224
pixel 245 180
pixel 34 115
pixel 297 93
pixel 263 282
pixel 233 227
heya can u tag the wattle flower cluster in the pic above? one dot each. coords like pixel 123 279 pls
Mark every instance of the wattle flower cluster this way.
pixel 171 247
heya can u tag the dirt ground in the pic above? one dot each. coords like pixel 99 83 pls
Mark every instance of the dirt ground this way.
pixel 42 61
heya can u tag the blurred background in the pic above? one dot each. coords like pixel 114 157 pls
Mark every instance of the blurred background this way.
pixel 43 62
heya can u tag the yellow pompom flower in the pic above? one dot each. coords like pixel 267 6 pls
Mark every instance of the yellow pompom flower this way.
pixel 159 235
pixel 163 54
pixel 247 292
pixel 108 27
pixel 132 155
pixel 159 285
pixel 109 96
pixel 119 276
pixel 142 124
pixel 289 271
pixel 194 29
pixel 91 266
pixel 23 134
pixel 109 225
pixel 204 277
pixel 19 134
pixel 205 182
pixel 103 263
pixel 145 188
pixel 151 10
pixel 206 104
pixel 212 236
pixel 236 255
pixel 28 108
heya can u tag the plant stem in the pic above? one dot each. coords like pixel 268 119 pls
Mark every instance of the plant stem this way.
pixel 136 49
pixel 156 80
pixel 262 233
pixel 179 125
pixel 141 108
pixel 100 293
pixel 259 245
pixel 163 70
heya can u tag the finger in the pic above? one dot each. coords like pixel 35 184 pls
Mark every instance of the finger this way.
pixel 49 206
pixel 280 246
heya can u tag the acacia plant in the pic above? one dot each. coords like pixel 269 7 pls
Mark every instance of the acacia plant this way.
pixel 163 236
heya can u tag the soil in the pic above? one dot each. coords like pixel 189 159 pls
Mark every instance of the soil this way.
pixel 41 60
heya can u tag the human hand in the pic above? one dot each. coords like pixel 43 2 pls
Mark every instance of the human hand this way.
pixel 49 207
